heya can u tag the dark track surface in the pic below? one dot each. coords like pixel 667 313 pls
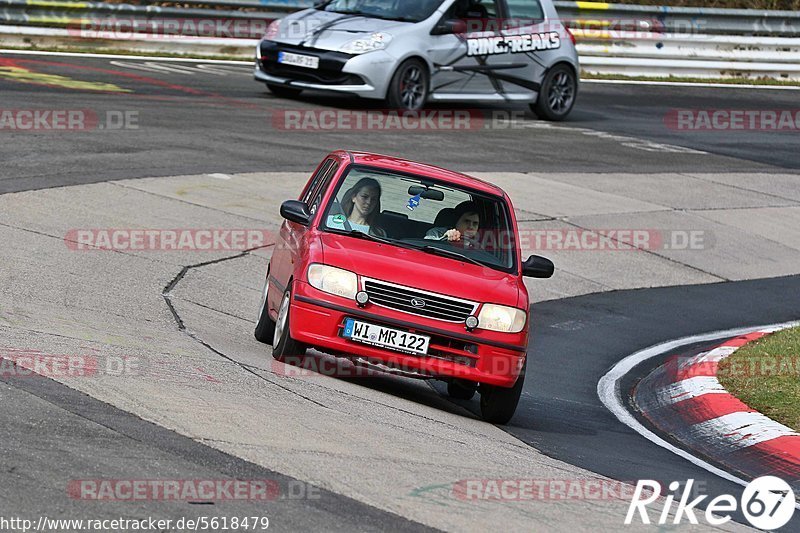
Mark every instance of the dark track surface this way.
pixel 192 122
pixel 203 123
pixel 578 340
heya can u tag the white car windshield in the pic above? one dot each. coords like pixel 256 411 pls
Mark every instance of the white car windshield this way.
pixel 403 10
pixel 416 212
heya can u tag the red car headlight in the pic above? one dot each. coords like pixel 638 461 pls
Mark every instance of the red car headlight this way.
pixel 333 280
pixel 501 318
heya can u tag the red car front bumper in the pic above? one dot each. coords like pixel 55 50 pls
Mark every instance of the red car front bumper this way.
pixel 317 319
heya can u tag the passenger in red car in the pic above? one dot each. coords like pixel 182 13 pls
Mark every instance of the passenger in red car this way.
pixel 361 204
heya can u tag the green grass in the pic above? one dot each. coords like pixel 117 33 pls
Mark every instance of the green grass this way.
pixel 765 375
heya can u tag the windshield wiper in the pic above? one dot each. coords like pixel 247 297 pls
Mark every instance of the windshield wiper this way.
pixel 399 18
pixel 435 250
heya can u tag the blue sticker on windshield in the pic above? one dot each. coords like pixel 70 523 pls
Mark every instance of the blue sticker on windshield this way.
pixel 413 202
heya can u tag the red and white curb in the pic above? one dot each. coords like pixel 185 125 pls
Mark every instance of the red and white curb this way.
pixel 684 398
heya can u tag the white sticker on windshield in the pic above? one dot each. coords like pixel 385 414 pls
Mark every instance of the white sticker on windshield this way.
pixel 336 220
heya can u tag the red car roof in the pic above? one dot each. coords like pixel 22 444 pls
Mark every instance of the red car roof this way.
pixel 422 169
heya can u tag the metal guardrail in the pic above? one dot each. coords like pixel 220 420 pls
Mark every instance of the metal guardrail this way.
pixel 706 56
pixel 697 47
pixel 682 20
pixel 61 13
pixel 690 20
pixel 700 42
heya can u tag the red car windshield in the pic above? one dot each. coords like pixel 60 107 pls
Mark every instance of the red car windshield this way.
pixel 417 212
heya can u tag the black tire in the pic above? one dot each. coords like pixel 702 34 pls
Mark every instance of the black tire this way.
pixel 265 326
pixel 283 91
pixel 409 87
pixel 283 344
pixel 558 94
pixel 499 403
pixel 461 390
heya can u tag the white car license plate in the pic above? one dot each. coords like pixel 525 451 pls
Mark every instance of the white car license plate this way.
pixel 395 339
pixel 298 60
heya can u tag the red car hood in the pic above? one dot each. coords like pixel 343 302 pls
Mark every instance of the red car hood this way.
pixel 419 269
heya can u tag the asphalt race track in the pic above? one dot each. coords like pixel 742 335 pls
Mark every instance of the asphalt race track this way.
pixel 196 122
pixel 587 335
pixel 200 119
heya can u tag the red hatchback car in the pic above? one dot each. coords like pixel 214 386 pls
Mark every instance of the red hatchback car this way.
pixel 404 266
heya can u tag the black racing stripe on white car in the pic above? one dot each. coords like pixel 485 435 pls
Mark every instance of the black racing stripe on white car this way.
pixel 487 68
pixel 522 82
pixel 498 87
pixel 490 72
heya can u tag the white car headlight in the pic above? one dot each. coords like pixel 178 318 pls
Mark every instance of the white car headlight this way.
pixel 376 41
pixel 333 280
pixel 501 318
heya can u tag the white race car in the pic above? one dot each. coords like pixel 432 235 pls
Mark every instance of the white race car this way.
pixel 410 52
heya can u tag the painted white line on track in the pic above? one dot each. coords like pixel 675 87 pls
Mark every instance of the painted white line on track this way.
pixel 694 84
pixel 608 389
pixel 189 70
pixel 124 56
pixel 623 140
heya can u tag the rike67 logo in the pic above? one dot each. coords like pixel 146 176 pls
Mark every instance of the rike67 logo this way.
pixel 767 502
